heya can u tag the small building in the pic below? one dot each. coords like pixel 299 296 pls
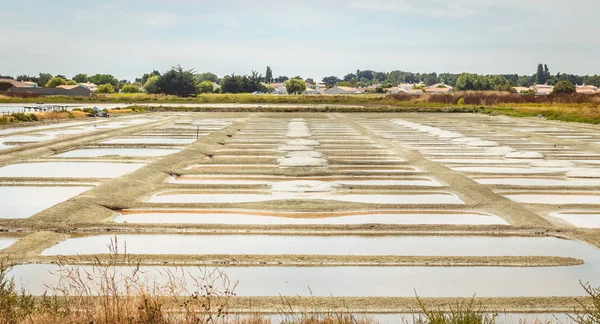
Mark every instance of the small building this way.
pixel 336 90
pixel 76 90
pixel 415 92
pixel 310 91
pixel 90 86
pixel 71 91
pixel 16 84
pixel 278 88
pixel 439 88
pixel 542 89
pixel 406 86
pixel 587 89
pixel 31 84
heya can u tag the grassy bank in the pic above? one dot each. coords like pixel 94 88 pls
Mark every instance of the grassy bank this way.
pixel 572 108
pixel 40 116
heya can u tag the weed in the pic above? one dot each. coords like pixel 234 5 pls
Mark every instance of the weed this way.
pixel 465 312
pixel 591 313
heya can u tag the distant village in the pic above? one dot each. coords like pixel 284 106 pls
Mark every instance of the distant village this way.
pixel 86 89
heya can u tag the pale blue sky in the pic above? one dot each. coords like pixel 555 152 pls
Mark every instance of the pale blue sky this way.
pixel 308 38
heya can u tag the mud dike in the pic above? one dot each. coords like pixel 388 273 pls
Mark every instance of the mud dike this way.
pixel 449 205
pixel 300 151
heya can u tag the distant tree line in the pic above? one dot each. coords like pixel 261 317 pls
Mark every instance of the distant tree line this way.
pixel 461 81
pixel 181 82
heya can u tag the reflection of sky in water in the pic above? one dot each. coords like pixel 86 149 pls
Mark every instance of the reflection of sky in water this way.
pixel 23 202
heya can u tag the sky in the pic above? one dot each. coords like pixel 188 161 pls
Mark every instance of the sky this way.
pixel 308 38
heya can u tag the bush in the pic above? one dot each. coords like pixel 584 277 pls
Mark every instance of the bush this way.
pixel 205 87
pixel 564 87
pixel 55 82
pixel 152 85
pixel 130 88
pixel 21 117
pixel 33 117
pixel 105 88
pixel 295 86
pixel 461 101
pixel 380 89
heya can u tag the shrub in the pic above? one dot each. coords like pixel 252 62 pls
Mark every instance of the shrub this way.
pixel 564 87
pixel 295 86
pixel 130 88
pixel 105 88
pixel 380 89
pixel 21 117
pixel 152 85
pixel 461 101
pixel 205 87
pixel 33 117
pixel 55 82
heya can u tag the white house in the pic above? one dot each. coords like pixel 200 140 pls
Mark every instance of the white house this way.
pixel 90 86
pixel 542 89
pixel 587 89
pixel 343 90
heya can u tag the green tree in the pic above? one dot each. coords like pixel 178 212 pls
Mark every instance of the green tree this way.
pixel 55 82
pixel 5 86
pixel 310 81
pixel 147 76
pixel 269 75
pixel 44 78
pixel 130 88
pixel 71 82
pixel 80 78
pixel 541 75
pixel 106 88
pixel 205 87
pixel 466 81
pixel 331 80
pixel 295 85
pixel 207 76
pixel 152 84
pixel 178 82
pixel 105 79
pixel 281 79
pixel 348 77
pixel 564 87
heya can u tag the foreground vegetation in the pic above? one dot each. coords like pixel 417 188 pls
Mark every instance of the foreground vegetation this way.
pixel 117 291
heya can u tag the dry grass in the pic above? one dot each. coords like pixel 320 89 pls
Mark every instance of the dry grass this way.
pixel 60 115
pixel 120 111
pixel 118 291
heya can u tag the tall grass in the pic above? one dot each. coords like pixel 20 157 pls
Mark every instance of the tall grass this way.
pixel 118 291
pixel 465 312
